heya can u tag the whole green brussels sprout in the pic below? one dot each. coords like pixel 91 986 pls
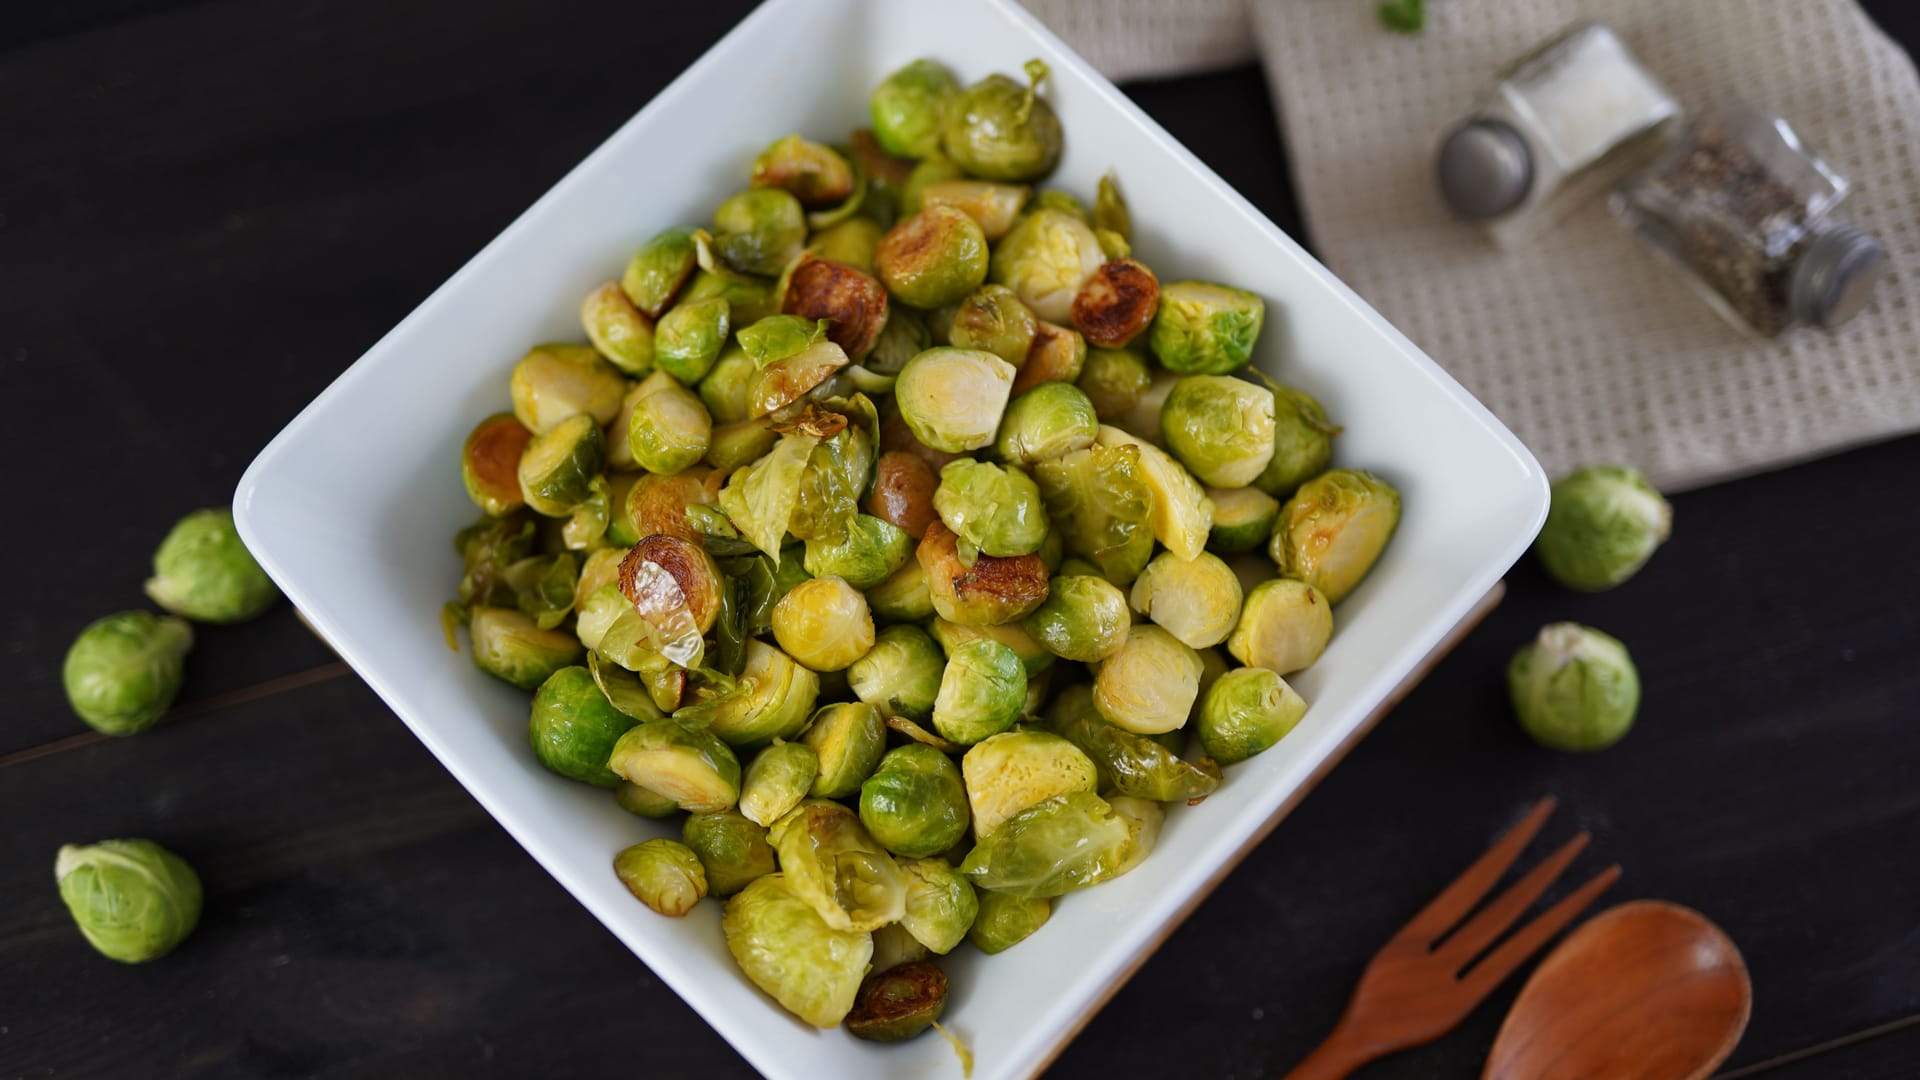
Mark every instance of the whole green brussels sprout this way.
pixel 1006 920
pixel 1574 688
pixel 760 230
pixel 559 466
pixel 724 389
pixel 122 672
pixel 133 899
pixel 995 508
pixel 204 572
pixel 900 675
pixel 732 849
pixel 1334 528
pixel 1046 422
pixel 1045 259
pixel 1220 428
pixel 848 738
pixel 824 623
pixel 1604 523
pixel 657 271
pixel 941 904
pixel 1243 519
pixel 1196 600
pixel 997 129
pixel 1129 763
pixel 935 168
pixel 952 399
pixel 909 108
pixel 933 258
pixel 1082 618
pixel 1205 329
pixel 831 862
pixel 622 333
pixel 1013 770
pixel 692 767
pixel 1284 626
pixel 1245 712
pixel 689 338
pixel 1149 684
pixel 511 647
pixel 898 1003
pixel 573 729
pixel 777 778
pixel 1114 380
pixel 669 429
pixel 867 555
pixel 1056 846
pixel 663 874
pixel 915 803
pixel 811 968
pixel 981 692
pixel 992 319
pixel 1302 442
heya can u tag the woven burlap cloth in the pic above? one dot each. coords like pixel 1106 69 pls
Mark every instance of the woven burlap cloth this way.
pixel 1587 346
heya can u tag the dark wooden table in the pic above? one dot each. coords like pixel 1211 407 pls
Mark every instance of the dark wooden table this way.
pixel 208 209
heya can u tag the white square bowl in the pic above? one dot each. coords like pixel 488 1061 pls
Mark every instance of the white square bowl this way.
pixel 351 507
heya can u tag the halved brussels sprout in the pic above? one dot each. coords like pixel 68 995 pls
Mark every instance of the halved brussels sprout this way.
pixel 1061 844
pixel 1013 770
pixel 1334 528
pixel 1148 685
pixel 656 505
pixel 658 270
pixel 749 299
pixel 1045 259
pixel 1057 355
pixel 1246 712
pixel 1005 920
pixel 760 230
pixel 1101 504
pixel 637 800
pixel 817 175
pixel 1034 657
pixel 1046 422
pixel 1182 516
pixel 511 647
pixel 1284 626
pixel 1116 303
pixel 490 463
pixel 1604 524
pixel 893 946
pixel 1196 600
pixel 122 672
pixel 850 243
pixel 1082 618
pixel 933 258
pixel 1574 688
pixel 675 587
pixel 902 493
pixel 775 698
pixel 662 874
pixel 981 692
pixel 1001 130
pixel 689 338
pixel 811 968
pixel 1243 519
pixel 787 380
pixel 991 591
pixel 724 389
pixel 993 207
pixel 904 597
pixel 994 508
pixel 133 900
pixel 572 728
pixel 554 383
pixel 833 864
pixel 692 767
pixel 898 1003
pixel 776 780
pixel 1114 379
pixel 915 803
pixel 869 553
pixel 933 169
pixel 823 623
pixel 669 429
pixel 941 904
pixel 1302 442
pixel 895 434
pixel 909 108
pixel 732 849
pixel 1129 763
pixel 900 675
pixel 847 739
pixel 1221 428
pixel 952 399
pixel 558 468
pixel 618 329
pixel 1205 329
pixel 854 304
pixel 992 319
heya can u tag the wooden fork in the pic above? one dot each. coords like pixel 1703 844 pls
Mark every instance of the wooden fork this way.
pixel 1420 985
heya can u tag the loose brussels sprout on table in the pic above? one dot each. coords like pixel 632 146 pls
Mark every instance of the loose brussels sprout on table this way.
pixel 1604 523
pixel 133 899
pixel 123 671
pixel 1574 688
pixel 203 572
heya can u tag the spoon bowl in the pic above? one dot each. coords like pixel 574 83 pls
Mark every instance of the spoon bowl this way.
pixel 1647 989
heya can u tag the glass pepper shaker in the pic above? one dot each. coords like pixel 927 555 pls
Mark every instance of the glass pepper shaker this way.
pixel 1748 213
pixel 1560 125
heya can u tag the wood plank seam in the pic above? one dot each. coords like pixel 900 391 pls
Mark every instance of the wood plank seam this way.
pixel 1807 1053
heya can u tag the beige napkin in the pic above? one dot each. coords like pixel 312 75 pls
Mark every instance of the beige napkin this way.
pixel 1582 342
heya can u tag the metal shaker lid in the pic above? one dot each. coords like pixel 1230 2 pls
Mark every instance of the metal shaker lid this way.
pixel 1834 278
pixel 1484 169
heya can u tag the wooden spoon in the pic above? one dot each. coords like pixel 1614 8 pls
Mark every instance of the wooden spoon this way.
pixel 1647 989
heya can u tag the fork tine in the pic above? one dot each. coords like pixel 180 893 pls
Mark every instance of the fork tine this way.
pixel 1501 912
pixel 1503 961
pixel 1457 899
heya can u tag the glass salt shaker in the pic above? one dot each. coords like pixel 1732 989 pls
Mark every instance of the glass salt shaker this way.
pixel 1748 213
pixel 1560 125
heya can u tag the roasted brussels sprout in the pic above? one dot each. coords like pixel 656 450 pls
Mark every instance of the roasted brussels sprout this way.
pixel 981 692
pixel 904 337
pixel 669 430
pixel 900 675
pixel 909 108
pixel 1196 600
pixel 992 319
pixel 760 230
pixel 776 780
pixel 941 904
pixel 1129 763
pixel 1284 626
pixel 1334 528
pixel 1057 355
pixel 835 866
pixel 1046 422
pixel 853 303
pixel 869 553
pixel 1116 303
pixel 573 728
pixel 122 672
pixel 1001 130
pixel 823 623
pixel 749 299
pixel 1574 688
pixel 1148 685
pixel 902 493
pixel 691 767
pixel 1182 516
pixel 1045 259
pixel 134 900
pixel 994 207
pixel 1058 845
pixel 1005 920
pixel 657 271
pixel 1013 770
pixel 1243 519
pixel 657 505
pixel 1099 501
pixel 1205 329
pixel 1246 711
pixel 775 698
pixel 851 244
pixel 952 399
pixel 622 333
pixel 811 968
pixel 1114 379
pixel 816 175
pixel 1034 657
pixel 1302 442
pixel 785 381
pixel 1220 428
pixel 994 508
pixel 486 549
pixel 554 383
pixel 993 590
pixel 1604 524
pixel 915 803
pixel 203 571
pixel 1082 618
pixel 904 597
pixel 724 389
pixel 675 587
pixel 893 946
pixel 511 647
pixel 732 849
pixel 847 739
pixel 639 801
pixel 1143 419
pixel 490 463
pixel 933 258
pixel 936 168
pixel 689 339
pixel 663 874
pixel 558 468
pixel 759 498
pixel 898 1003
